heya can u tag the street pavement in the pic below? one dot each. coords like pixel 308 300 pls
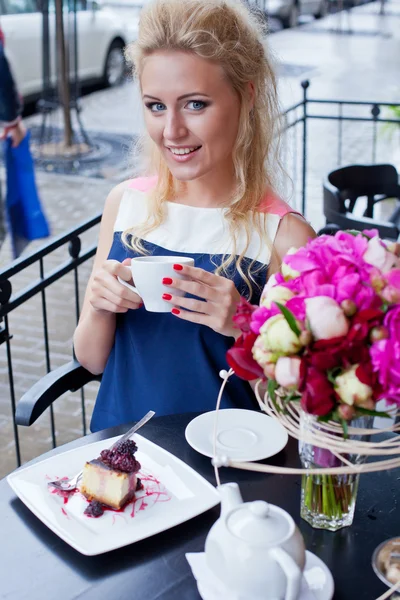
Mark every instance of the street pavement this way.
pixel 349 56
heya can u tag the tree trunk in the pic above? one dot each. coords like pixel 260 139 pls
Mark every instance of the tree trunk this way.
pixel 63 73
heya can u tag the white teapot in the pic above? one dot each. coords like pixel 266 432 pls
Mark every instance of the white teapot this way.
pixel 255 548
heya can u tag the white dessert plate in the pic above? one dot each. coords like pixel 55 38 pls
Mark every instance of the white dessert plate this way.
pixel 242 435
pixel 173 493
pixel 317 582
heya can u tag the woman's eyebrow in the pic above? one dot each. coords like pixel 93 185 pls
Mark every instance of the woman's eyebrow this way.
pixel 180 97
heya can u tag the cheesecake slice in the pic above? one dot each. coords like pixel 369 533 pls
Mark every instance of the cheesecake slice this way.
pixel 107 485
pixel 112 478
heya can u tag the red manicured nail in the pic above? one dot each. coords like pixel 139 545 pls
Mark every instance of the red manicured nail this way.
pixel 167 281
pixel 176 311
pixel 166 296
pixel 178 267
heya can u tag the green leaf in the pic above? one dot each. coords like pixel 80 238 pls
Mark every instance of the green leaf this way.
pixel 372 413
pixel 355 232
pixel 272 387
pixel 326 418
pixel 345 428
pixel 333 373
pixel 293 396
pixel 289 316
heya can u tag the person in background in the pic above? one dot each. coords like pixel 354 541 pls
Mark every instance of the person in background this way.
pixel 209 97
pixel 10 102
pixel 10 115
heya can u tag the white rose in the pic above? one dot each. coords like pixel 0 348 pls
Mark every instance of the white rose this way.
pixel 286 270
pixel 287 372
pixel 278 337
pixel 264 358
pixel 279 293
pixel 326 318
pixel 270 283
pixel 350 389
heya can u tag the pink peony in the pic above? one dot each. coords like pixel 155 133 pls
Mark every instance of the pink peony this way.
pixel 385 356
pixel 334 267
pixel 378 256
pixel 325 317
pixel 391 292
pixel 287 372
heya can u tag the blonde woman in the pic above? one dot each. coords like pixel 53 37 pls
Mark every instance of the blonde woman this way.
pixel 211 114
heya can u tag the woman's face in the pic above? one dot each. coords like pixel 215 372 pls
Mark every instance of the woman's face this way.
pixel 191 113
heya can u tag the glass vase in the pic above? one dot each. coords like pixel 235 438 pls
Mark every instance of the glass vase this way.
pixel 328 501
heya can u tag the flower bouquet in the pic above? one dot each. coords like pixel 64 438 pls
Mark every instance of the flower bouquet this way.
pixel 327 336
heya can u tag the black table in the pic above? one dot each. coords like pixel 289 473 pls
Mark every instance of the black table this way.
pixel 37 565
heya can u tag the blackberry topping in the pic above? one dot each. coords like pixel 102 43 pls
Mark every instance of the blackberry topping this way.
pixel 94 509
pixel 128 446
pixel 122 457
pixel 139 484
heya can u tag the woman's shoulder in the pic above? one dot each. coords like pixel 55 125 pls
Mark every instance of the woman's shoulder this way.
pixel 127 200
pixel 272 204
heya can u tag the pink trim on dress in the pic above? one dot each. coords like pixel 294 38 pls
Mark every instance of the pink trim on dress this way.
pixel 274 205
pixel 143 184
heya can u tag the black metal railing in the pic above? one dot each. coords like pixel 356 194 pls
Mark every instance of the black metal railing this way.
pixel 371 144
pixel 318 138
pixel 10 300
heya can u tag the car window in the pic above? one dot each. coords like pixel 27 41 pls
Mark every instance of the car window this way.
pixel 16 7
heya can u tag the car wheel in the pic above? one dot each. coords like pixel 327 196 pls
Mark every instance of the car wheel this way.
pixel 114 68
pixel 323 10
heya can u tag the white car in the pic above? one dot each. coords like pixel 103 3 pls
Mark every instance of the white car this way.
pixel 289 11
pixel 102 35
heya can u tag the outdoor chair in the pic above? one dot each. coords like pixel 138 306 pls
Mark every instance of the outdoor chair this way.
pixel 344 187
pixel 67 378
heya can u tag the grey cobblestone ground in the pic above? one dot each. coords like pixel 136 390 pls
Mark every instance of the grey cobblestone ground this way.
pixel 335 61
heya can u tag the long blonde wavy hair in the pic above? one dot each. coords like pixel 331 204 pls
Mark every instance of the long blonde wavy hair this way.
pixel 228 33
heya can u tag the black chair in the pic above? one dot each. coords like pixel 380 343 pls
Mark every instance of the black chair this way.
pixel 67 378
pixel 342 189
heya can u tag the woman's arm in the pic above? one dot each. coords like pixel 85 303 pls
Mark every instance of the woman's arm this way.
pixel 105 296
pixel 293 231
pixel 10 102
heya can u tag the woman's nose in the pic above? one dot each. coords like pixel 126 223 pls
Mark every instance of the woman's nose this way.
pixel 175 127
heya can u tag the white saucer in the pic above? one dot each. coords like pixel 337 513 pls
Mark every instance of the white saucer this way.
pixel 242 435
pixel 316 574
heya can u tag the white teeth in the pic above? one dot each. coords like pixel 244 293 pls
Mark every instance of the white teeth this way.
pixel 182 150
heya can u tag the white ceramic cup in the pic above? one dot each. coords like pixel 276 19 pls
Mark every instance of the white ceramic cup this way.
pixel 148 273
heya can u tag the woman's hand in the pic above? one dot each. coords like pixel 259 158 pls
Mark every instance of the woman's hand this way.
pixel 107 294
pixel 218 304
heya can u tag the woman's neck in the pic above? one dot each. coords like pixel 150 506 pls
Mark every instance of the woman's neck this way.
pixel 206 192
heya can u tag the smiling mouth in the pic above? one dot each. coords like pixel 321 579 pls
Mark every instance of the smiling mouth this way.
pixel 183 151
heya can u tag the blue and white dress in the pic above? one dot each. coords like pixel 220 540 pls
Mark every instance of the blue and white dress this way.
pixel 161 362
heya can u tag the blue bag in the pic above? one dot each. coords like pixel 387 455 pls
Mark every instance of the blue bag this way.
pixel 26 220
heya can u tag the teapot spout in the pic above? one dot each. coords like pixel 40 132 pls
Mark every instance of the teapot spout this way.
pixel 230 497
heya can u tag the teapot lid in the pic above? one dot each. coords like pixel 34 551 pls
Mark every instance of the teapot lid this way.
pixel 259 523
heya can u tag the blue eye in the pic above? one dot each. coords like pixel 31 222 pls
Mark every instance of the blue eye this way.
pixel 155 106
pixel 197 104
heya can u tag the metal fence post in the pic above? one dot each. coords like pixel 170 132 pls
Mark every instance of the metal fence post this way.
pixel 375 111
pixel 305 85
